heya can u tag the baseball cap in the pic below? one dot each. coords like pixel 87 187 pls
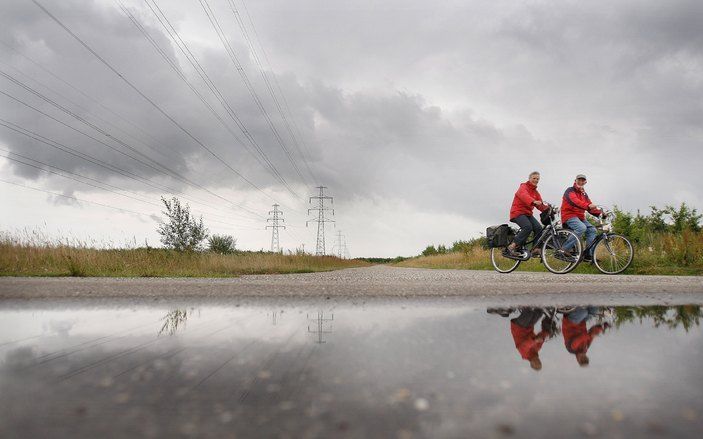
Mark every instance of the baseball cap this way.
pixel 581 176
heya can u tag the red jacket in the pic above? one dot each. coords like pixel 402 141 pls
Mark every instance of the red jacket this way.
pixel 523 202
pixel 575 203
pixel 576 337
pixel 526 342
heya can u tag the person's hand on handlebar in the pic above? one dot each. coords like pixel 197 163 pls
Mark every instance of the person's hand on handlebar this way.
pixel 537 203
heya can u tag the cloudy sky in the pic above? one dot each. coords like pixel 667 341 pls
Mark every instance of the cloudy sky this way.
pixel 420 118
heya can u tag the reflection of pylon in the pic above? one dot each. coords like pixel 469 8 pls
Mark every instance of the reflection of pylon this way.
pixel 321 219
pixel 319 327
pixel 274 318
pixel 275 245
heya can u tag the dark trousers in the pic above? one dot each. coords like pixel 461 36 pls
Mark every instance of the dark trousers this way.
pixel 528 224
pixel 528 317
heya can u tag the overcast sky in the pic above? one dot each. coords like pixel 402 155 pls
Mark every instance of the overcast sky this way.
pixel 420 118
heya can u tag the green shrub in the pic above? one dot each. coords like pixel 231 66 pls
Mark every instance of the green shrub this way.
pixel 222 244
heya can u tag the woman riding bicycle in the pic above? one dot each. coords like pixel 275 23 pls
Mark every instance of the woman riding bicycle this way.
pixel 526 199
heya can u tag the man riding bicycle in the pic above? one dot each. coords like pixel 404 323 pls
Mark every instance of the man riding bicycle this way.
pixel 526 199
pixel 574 205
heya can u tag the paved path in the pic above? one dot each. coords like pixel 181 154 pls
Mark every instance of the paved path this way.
pixel 376 281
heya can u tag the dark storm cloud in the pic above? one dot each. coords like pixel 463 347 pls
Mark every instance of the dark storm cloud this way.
pixel 106 29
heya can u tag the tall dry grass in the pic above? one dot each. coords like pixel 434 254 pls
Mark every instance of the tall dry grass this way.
pixel 664 253
pixel 30 256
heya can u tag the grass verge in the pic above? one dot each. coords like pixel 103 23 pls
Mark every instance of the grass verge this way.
pixel 28 260
pixel 664 255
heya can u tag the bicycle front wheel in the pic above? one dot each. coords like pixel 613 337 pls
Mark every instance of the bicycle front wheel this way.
pixel 561 251
pixel 613 254
pixel 501 263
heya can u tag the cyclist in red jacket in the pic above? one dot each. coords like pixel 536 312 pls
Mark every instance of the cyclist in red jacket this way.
pixel 526 199
pixel 574 205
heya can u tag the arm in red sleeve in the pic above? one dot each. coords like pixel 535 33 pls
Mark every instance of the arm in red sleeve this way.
pixel 524 196
pixel 592 211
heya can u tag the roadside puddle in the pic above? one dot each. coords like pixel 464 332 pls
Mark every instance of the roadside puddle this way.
pixel 396 368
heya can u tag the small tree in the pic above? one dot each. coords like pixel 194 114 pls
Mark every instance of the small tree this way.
pixel 181 231
pixel 223 244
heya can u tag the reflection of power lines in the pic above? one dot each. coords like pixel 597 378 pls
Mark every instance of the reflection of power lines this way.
pixel 321 326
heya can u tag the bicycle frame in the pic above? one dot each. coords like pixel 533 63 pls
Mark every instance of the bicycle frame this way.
pixel 605 231
pixel 547 231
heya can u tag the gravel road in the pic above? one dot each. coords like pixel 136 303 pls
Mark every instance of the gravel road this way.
pixel 376 281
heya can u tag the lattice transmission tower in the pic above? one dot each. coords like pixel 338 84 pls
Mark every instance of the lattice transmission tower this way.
pixel 340 246
pixel 276 217
pixel 321 218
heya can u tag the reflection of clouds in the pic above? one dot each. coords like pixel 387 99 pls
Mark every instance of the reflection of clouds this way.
pixel 60 327
pixel 16 360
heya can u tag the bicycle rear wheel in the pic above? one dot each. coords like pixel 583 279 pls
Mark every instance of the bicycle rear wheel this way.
pixel 501 263
pixel 613 254
pixel 561 251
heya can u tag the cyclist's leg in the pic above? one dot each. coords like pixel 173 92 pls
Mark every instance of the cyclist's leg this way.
pixel 578 228
pixel 590 236
pixel 536 227
pixel 525 229
pixel 578 315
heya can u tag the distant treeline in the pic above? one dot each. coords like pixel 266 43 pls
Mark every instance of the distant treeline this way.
pixel 383 260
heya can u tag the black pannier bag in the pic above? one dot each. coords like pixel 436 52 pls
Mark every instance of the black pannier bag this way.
pixel 499 236
pixel 547 217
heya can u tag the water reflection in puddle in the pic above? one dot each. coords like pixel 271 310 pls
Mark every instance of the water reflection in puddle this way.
pixel 404 368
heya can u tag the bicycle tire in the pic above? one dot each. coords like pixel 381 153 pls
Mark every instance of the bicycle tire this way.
pixel 548 248
pixel 497 255
pixel 603 243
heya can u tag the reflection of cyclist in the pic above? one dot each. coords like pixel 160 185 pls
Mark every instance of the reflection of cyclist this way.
pixel 526 199
pixel 574 204
pixel 526 341
pixel 577 337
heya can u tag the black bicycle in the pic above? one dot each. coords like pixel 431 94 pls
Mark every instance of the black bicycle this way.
pixel 555 256
pixel 612 253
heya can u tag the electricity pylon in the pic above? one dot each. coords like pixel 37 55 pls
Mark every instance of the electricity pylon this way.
pixel 274 226
pixel 321 219
pixel 340 245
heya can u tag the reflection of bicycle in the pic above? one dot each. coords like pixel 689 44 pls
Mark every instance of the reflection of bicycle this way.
pixel 612 253
pixel 555 255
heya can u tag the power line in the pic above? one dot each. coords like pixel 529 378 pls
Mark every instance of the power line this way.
pixel 261 158
pixel 265 77
pixel 122 152
pixel 321 218
pixel 149 100
pixel 81 92
pixel 277 216
pixel 242 73
pixel 98 184
pixel 193 60
pixel 88 158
